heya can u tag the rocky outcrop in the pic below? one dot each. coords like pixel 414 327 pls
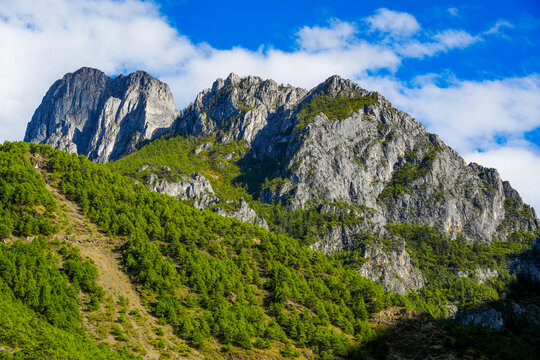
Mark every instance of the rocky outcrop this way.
pixel 241 109
pixel 194 187
pixel 338 147
pixel 198 188
pixel 527 266
pixel 480 275
pixel 392 269
pixel 335 143
pixel 89 113
pixel 485 316
pixel 244 213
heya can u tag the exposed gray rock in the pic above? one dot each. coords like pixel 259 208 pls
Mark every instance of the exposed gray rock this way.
pixel 337 239
pixel 89 113
pixel 203 147
pixel 528 267
pixel 245 214
pixel 485 316
pixel 198 188
pixel 450 311
pixel 510 192
pixel 378 161
pixel 195 187
pixel 244 106
pixel 392 269
pixel 480 275
pixel 357 159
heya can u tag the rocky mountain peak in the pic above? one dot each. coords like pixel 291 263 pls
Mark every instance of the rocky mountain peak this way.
pixel 104 118
pixel 238 108
pixel 335 144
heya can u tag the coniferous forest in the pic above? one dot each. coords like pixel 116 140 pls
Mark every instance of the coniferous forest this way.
pixel 221 287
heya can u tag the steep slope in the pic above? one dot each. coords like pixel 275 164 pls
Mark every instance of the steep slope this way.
pixel 339 143
pixel 335 167
pixel 234 290
pixel 336 144
pixel 89 113
pixel 228 289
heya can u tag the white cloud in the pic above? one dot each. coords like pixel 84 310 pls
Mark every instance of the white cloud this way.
pixel 398 24
pixel 42 40
pixel 453 11
pixel 521 166
pixel 470 114
pixel 440 42
pixel 452 39
pixel 339 34
pixel 495 29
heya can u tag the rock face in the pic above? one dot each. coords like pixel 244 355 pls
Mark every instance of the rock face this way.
pixel 339 147
pixel 392 269
pixel 245 214
pixel 195 187
pixel 242 109
pixel 198 188
pixel 480 275
pixel 89 113
pixel 485 316
pixel 373 157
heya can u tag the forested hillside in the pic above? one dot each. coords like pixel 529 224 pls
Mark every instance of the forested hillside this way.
pixel 226 288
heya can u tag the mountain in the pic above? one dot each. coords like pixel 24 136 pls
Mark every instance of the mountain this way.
pixel 341 143
pixel 337 149
pixel 89 113
pixel 204 286
pixel 335 144
pixel 349 188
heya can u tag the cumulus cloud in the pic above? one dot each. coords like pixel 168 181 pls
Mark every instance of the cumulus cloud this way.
pixel 439 42
pixel 338 35
pixel 495 29
pixel 398 24
pixel 472 114
pixel 42 40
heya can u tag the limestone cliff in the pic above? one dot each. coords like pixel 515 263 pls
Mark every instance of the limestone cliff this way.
pixel 89 113
pixel 339 143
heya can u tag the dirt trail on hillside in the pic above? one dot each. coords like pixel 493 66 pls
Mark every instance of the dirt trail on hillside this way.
pixel 137 323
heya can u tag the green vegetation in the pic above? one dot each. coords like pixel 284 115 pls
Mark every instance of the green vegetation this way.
pixel 307 225
pixel 40 302
pixel 214 278
pixel 218 164
pixel 27 208
pixel 405 175
pixel 224 286
pixel 439 257
pixel 514 213
pixel 334 108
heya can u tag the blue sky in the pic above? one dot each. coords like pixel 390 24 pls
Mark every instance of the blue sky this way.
pixel 274 24
pixel 468 70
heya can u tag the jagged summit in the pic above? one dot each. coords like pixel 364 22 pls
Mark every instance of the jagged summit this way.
pixel 90 113
pixel 335 144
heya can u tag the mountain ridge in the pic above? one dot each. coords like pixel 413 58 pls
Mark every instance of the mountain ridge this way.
pixel 336 169
pixel 335 143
